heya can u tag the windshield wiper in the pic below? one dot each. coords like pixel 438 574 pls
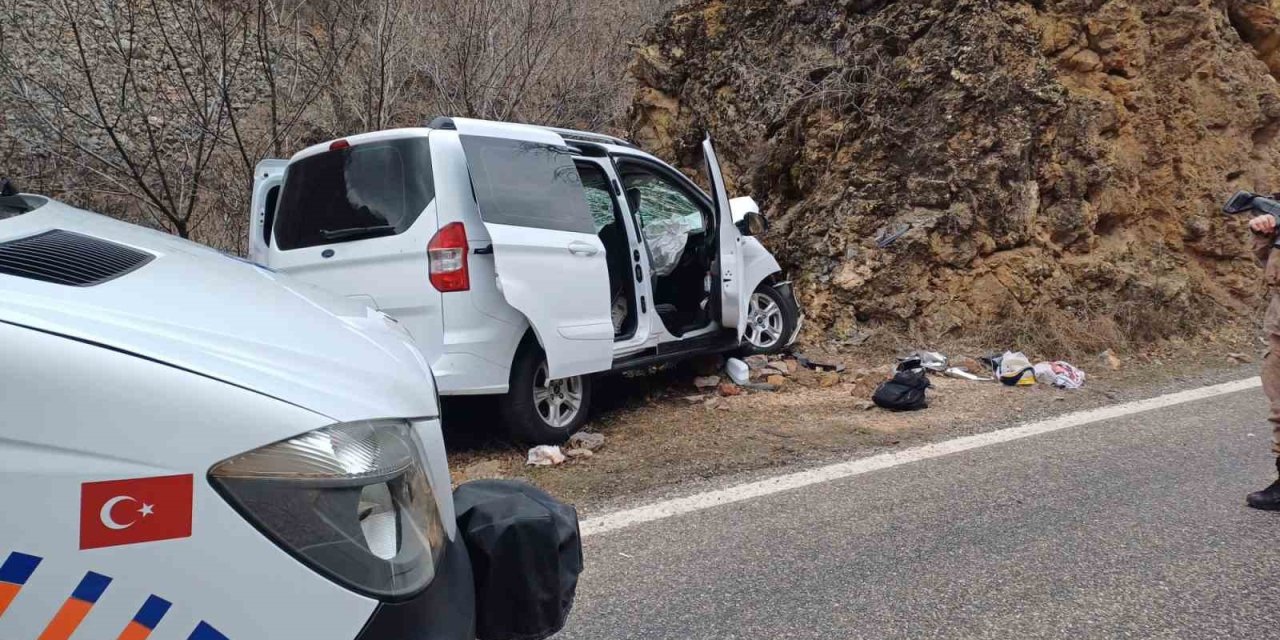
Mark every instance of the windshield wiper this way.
pixel 338 234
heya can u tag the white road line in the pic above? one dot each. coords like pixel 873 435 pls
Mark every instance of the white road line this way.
pixel 679 506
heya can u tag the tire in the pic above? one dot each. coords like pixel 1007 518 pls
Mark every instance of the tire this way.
pixel 536 410
pixel 771 319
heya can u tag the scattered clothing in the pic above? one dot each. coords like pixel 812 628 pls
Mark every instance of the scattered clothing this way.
pixel 1067 376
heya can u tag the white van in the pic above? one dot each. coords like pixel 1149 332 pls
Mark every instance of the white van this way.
pixel 524 259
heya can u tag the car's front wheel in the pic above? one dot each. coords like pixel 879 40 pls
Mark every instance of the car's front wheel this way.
pixel 771 319
pixel 540 409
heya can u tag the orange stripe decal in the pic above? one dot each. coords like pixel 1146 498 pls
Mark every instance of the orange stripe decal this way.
pixel 67 620
pixel 7 593
pixel 134 631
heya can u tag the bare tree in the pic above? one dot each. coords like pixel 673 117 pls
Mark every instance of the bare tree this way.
pixel 158 110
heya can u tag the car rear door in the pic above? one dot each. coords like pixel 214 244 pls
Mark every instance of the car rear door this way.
pixel 356 219
pixel 267 178
pixel 728 267
pixel 550 264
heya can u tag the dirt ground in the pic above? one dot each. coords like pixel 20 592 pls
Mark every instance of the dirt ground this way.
pixel 663 434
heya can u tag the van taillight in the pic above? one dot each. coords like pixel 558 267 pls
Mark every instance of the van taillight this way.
pixel 447 258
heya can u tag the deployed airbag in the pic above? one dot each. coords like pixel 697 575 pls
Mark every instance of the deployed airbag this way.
pixel 526 555
pixel 666 238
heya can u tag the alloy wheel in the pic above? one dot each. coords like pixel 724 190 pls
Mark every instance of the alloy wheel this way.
pixel 557 401
pixel 764 322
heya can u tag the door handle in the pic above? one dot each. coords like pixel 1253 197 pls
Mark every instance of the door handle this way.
pixel 579 248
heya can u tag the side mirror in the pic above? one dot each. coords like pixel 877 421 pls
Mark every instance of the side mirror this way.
pixel 753 224
pixel 1240 202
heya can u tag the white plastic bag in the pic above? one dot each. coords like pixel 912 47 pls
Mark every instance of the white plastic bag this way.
pixel 545 456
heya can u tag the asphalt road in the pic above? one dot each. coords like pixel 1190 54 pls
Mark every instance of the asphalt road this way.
pixel 1129 528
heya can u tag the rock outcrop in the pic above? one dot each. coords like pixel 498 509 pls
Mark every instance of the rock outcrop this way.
pixel 1059 164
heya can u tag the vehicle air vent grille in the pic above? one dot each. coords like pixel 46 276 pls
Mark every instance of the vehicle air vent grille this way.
pixel 65 257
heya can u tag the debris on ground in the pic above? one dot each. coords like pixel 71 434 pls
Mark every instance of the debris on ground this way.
pixel 694 399
pixel 586 440
pixel 828 379
pixel 1016 369
pixel 905 392
pixel 1240 358
pixel 1062 375
pixel 931 360
pixel 706 382
pixel 864 405
pixel 579 453
pixel 738 371
pixel 545 456
pixel 1069 376
pixel 715 402
pixel 757 362
pixel 777 380
pixel 964 374
pixel 818 365
pixel 760 386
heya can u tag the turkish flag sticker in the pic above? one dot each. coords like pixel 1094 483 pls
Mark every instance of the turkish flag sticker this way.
pixel 120 512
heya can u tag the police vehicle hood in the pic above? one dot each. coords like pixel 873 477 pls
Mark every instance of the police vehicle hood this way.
pixel 195 308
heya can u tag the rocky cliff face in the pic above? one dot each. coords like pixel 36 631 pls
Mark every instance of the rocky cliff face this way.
pixel 1058 165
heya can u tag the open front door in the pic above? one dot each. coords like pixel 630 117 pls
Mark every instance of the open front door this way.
pixel 550 264
pixel 267 178
pixel 732 299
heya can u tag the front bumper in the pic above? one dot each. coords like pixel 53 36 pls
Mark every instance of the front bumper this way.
pixel 446 610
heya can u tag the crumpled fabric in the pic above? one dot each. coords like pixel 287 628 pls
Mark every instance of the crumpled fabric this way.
pixel 666 238
pixel 1062 375
pixel 1067 376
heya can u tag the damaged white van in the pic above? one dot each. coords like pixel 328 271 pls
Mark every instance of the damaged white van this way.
pixel 524 259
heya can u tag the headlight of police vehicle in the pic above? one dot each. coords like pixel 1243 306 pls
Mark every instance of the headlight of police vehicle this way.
pixel 352 500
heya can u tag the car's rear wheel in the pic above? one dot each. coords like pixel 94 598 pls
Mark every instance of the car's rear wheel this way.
pixel 771 319
pixel 540 409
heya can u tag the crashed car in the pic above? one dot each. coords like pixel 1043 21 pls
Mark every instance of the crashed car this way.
pixel 524 259
pixel 197 447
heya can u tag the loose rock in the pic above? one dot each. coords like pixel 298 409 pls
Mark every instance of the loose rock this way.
pixel 585 440
pixel 706 382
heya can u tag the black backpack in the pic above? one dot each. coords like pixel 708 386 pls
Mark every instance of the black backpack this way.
pixel 905 392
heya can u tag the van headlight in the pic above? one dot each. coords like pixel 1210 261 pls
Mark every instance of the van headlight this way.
pixel 351 500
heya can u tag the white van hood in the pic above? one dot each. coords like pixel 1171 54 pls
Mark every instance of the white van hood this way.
pixel 201 310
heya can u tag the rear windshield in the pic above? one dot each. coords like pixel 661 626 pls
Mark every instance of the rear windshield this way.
pixel 362 191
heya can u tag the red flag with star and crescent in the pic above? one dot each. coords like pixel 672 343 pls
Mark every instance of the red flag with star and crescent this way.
pixel 119 512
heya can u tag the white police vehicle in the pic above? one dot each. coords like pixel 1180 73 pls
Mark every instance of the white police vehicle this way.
pixel 196 447
pixel 523 259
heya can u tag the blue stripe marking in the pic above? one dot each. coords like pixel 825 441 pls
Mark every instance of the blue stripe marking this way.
pixel 152 611
pixel 91 587
pixel 205 632
pixel 18 567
